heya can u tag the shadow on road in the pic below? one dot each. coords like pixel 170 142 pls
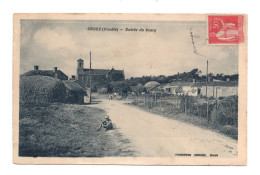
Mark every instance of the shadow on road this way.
pixel 92 103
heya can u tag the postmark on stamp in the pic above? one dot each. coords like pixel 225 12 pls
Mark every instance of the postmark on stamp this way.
pixel 225 29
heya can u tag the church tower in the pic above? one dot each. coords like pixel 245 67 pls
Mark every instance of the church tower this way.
pixel 80 64
pixel 80 69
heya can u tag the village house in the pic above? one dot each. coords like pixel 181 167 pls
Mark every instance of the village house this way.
pixel 183 88
pixel 170 88
pixel 218 89
pixel 99 77
pixel 51 73
pixel 215 89
pixel 74 92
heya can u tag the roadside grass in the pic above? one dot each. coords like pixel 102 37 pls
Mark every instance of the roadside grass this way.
pixel 64 130
pixel 229 131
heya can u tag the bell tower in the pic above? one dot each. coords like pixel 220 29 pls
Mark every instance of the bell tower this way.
pixel 80 69
pixel 80 64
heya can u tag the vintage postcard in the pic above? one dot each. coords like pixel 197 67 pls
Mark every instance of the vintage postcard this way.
pixel 131 89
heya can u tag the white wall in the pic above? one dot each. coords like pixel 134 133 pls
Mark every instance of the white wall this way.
pixel 219 91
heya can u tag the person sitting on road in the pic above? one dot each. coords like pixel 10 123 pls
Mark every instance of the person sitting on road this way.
pixel 110 97
pixel 106 124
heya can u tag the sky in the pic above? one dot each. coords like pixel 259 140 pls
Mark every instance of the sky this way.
pixel 169 50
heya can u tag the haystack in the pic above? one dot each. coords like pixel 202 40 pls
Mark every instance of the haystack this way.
pixel 41 89
pixel 49 73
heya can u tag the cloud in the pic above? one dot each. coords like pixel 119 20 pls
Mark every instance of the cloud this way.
pixel 167 51
pixel 55 39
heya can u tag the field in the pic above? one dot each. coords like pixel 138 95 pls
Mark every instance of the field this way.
pixel 63 130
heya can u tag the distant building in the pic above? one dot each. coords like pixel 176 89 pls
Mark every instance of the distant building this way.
pixel 99 77
pixel 73 77
pixel 183 88
pixel 218 89
pixel 215 89
pixel 51 73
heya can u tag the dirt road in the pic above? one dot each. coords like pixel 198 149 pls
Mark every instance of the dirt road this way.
pixel 153 135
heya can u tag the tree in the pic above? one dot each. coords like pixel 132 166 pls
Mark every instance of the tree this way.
pixel 120 87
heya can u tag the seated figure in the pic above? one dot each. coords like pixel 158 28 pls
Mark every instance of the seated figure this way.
pixel 106 124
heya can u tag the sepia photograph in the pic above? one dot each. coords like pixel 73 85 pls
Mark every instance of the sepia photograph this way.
pixel 137 89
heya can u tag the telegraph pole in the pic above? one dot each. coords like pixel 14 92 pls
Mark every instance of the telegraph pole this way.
pixel 207 91
pixel 90 78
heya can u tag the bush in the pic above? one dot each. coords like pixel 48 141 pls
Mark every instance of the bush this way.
pixel 102 90
pixel 226 112
pixel 120 87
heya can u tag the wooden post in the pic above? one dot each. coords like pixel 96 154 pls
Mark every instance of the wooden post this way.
pixel 213 91
pixel 216 99
pixel 216 93
pixel 170 105
pixel 189 107
pixel 150 101
pixel 155 99
pixel 90 79
pixel 185 109
pixel 198 109
pixel 177 103
pixel 160 101
pixel 207 92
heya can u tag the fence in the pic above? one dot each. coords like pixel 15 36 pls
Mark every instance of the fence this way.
pixel 188 105
pixel 158 101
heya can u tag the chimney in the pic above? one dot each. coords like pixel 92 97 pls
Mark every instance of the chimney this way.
pixel 72 77
pixel 36 67
pixel 55 69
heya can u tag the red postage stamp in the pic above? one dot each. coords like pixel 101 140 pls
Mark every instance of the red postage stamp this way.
pixel 225 29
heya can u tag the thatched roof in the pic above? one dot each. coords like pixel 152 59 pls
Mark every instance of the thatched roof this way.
pixel 151 84
pixel 49 73
pixel 73 86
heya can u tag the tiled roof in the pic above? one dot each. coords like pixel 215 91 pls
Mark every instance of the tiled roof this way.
pixel 222 83
pixel 200 84
pixel 98 71
pixel 103 71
